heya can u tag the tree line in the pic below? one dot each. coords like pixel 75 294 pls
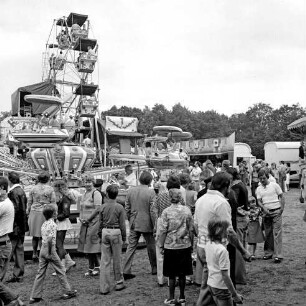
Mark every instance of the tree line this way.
pixel 258 125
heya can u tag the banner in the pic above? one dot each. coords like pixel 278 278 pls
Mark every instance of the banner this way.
pixel 209 146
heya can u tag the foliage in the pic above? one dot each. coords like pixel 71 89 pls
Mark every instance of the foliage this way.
pixel 260 124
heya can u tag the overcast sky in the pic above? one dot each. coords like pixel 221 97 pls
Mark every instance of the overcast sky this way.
pixel 224 55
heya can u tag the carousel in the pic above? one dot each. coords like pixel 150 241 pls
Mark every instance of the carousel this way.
pixel 163 150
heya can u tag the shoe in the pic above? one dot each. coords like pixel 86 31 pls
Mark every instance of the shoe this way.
pixel 182 302
pixel 128 276
pixel 247 257
pixel 188 281
pixel 69 263
pixel 105 293
pixel 96 271
pixel 253 257
pixel 35 300
pixel 17 302
pixel 160 285
pixel 170 302
pixel 54 274
pixel 266 257
pixel 35 258
pixel 14 279
pixel 277 260
pixel 120 286
pixel 88 273
pixel 69 295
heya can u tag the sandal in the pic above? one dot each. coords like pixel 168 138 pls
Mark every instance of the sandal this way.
pixel 69 295
pixel 266 257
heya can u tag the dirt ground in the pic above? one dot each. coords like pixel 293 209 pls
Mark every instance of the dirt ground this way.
pixel 268 283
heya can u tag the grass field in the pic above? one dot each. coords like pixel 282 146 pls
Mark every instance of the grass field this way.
pixel 268 283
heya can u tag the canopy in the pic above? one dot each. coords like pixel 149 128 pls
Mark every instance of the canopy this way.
pixel 298 126
pixel 19 104
pixel 156 139
pixel 165 129
pixel 86 89
pixel 72 19
pixel 44 104
pixel 180 135
pixel 82 44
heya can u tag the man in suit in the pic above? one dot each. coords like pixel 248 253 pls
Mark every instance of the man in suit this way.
pixel 138 204
pixel 18 197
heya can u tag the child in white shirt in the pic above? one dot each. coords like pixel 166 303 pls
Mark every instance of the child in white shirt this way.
pixel 218 263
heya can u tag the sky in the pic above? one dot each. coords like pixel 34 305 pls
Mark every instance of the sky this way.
pixel 222 55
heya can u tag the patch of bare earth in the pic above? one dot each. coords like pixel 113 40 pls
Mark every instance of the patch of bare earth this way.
pixel 268 283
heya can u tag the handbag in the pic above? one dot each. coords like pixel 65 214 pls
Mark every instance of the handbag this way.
pixel 301 197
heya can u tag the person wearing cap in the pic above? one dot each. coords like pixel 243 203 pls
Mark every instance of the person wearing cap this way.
pixel 113 233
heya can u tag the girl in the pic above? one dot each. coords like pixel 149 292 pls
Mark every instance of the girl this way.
pixel 48 255
pixel 219 282
pixel 175 242
pixel 254 232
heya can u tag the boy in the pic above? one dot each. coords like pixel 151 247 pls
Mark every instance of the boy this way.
pixel 113 234
pixel 48 255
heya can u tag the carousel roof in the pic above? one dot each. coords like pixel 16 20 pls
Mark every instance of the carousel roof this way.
pixel 298 126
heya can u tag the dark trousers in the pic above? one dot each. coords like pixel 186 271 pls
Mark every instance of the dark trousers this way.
pixel 6 294
pixel 133 242
pixel 93 260
pixel 18 255
pixel 60 238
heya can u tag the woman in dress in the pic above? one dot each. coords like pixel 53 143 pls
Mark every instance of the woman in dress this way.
pixel 41 195
pixel 63 200
pixel 89 241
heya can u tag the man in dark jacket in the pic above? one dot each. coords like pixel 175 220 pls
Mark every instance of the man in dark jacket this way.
pixel 17 195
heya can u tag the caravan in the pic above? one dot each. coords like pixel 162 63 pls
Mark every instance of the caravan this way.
pixel 286 151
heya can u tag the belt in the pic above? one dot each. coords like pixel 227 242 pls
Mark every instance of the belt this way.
pixel 5 242
pixel 275 209
pixel 111 227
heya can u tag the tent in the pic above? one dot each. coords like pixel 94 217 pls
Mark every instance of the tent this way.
pixel 20 106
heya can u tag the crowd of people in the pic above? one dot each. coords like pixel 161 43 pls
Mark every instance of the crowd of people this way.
pixel 203 216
